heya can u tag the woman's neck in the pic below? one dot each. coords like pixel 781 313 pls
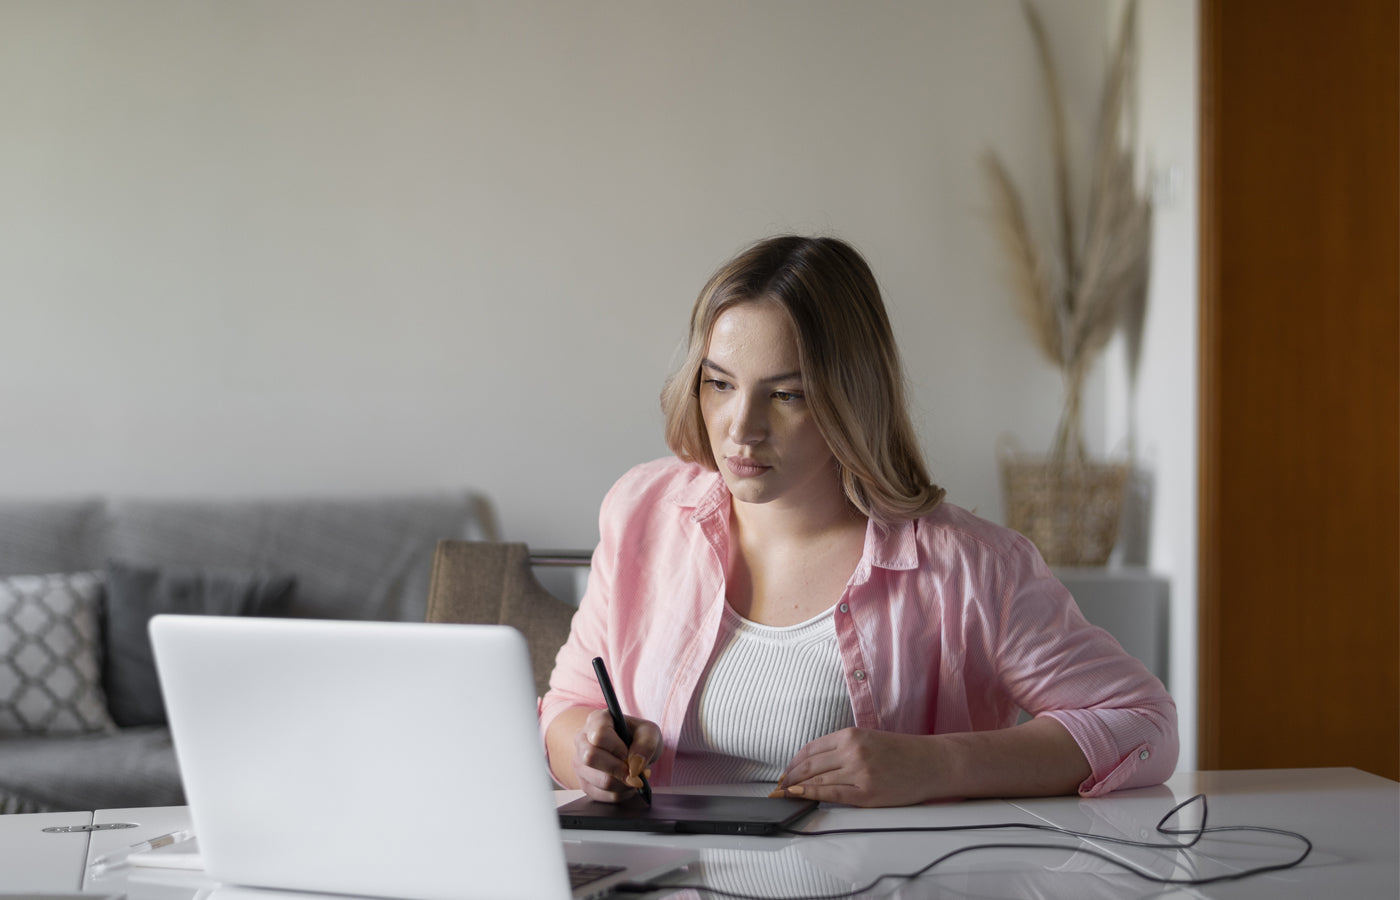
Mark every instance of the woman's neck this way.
pixel 814 516
pixel 787 562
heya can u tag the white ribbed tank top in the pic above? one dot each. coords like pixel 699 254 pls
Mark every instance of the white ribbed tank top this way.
pixel 768 690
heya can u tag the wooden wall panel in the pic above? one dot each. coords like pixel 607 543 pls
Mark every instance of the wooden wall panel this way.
pixel 1300 504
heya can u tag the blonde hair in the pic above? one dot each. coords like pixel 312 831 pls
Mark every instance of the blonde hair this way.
pixel 850 369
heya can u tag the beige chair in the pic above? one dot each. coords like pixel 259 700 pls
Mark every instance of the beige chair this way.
pixel 483 583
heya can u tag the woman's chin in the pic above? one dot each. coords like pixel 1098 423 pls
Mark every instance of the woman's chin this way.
pixel 749 490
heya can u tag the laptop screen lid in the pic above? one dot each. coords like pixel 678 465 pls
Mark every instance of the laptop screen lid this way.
pixel 376 758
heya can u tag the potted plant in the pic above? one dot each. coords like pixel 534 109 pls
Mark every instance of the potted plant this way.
pixel 1075 291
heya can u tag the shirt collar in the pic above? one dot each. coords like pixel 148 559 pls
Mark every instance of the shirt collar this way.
pixel 705 493
pixel 891 546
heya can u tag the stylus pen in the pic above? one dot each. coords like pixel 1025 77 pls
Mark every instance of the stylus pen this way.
pixel 619 723
pixel 113 860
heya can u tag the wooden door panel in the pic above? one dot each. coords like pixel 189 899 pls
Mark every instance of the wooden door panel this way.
pixel 1300 291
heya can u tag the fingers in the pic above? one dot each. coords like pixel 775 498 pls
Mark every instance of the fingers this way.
pixel 598 731
pixel 608 769
pixel 864 767
pixel 818 772
pixel 846 794
pixel 854 766
pixel 646 747
pixel 646 739
pixel 636 770
pixel 599 759
pixel 817 757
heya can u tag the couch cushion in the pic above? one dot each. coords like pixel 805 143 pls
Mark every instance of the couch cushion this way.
pixel 132 767
pixel 353 559
pixel 50 670
pixel 47 536
pixel 135 593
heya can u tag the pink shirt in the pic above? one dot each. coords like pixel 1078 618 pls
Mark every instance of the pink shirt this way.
pixel 949 624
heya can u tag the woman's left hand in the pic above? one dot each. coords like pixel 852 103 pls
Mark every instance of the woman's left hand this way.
pixel 861 767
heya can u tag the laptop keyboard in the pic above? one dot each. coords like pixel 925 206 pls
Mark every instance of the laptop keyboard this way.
pixel 587 873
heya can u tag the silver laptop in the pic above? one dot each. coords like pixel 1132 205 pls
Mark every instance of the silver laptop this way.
pixel 376 758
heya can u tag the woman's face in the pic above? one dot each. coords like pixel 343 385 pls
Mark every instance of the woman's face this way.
pixel 754 406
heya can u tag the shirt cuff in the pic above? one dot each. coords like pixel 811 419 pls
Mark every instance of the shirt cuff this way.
pixel 1120 774
pixel 1151 759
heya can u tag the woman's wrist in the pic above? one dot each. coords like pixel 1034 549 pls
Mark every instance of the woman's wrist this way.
pixel 559 744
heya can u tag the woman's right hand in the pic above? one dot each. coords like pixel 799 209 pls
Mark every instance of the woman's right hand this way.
pixel 601 759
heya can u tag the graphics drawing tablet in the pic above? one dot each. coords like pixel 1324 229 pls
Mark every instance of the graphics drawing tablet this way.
pixel 688 814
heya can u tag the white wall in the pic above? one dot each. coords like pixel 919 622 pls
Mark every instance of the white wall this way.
pixel 277 247
pixel 1165 407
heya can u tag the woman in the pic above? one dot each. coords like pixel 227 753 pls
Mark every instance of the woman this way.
pixel 789 599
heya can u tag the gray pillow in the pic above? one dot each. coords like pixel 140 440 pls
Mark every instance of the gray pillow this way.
pixel 136 593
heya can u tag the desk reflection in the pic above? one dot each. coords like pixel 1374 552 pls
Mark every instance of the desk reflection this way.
pixel 1046 867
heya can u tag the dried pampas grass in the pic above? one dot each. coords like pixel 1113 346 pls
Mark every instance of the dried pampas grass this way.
pixel 1075 293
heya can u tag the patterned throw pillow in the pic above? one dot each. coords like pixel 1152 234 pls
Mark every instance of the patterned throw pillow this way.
pixel 50 673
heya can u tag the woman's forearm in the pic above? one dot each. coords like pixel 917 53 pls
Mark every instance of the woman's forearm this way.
pixel 863 767
pixel 1035 759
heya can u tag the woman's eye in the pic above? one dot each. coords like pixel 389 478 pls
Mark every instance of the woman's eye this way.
pixel 786 396
pixel 716 384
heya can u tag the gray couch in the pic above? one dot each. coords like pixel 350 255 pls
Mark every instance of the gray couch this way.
pixel 112 562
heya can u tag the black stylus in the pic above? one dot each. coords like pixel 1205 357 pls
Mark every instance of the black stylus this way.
pixel 619 723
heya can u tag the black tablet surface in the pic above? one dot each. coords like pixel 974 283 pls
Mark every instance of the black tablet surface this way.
pixel 687 813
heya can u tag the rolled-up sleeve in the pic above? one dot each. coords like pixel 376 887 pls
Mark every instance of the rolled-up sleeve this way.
pixel 1056 664
pixel 1125 747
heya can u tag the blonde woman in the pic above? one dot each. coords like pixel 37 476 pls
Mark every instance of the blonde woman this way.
pixel 788 599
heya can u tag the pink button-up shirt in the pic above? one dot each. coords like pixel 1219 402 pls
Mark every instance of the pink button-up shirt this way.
pixel 950 623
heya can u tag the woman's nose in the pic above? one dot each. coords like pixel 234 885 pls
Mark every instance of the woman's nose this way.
pixel 749 425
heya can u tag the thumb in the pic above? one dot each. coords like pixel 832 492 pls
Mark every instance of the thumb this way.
pixel 646 738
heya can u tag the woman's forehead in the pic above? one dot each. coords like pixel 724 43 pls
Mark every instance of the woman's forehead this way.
pixel 754 336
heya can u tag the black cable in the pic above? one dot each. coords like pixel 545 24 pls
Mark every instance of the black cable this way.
pixel 1197 834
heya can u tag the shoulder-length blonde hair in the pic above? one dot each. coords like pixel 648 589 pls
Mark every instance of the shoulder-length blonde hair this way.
pixel 850 369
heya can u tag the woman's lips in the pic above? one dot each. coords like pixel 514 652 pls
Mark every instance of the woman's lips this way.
pixel 745 468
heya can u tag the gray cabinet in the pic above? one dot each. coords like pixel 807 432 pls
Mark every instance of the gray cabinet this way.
pixel 1132 604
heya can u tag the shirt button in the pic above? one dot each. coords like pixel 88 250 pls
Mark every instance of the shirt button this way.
pixel 844 608
pixel 1144 754
pixel 859 674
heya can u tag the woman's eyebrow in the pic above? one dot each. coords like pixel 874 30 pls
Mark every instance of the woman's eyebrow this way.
pixel 707 363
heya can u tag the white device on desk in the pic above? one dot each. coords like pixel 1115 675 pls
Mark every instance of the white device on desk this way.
pixel 380 758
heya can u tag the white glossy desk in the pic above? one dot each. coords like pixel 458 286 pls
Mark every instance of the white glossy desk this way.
pixel 32 860
pixel 1352 818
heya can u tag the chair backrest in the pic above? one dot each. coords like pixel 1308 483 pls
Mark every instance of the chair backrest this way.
pixel 486 583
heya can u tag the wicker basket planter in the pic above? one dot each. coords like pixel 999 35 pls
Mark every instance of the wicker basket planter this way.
pixel 1070 510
